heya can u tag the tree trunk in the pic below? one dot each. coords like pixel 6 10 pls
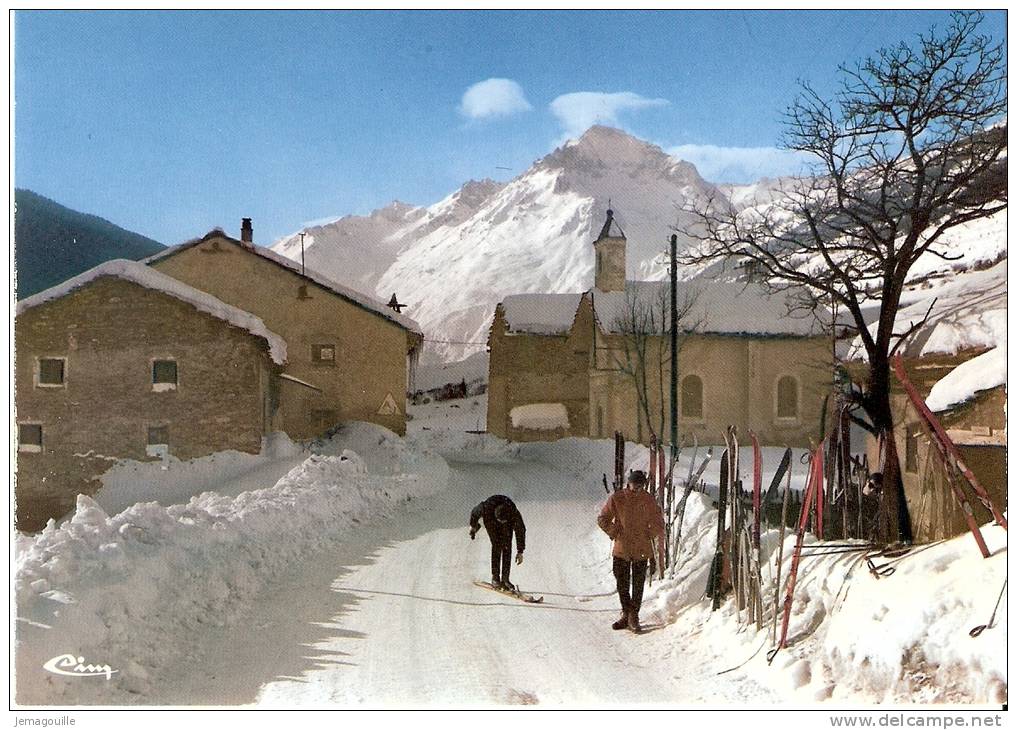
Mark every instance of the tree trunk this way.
pixel 894 521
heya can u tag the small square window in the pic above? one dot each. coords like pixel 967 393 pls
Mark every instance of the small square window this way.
pixel 158 441
pixel 164 375
pixel 158 435
pixel 323 354
pixel 51 372
pixel 30 437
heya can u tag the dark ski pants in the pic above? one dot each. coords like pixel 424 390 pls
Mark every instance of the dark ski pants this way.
pixel 501 559
pixel 630 573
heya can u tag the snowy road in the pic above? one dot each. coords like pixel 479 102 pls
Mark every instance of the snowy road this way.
pixel 392 617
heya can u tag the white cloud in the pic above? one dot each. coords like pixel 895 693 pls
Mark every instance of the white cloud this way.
pixel 580 110
pixel 493 98
pixel 740 164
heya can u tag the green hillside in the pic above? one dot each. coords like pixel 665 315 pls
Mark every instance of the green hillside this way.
pixel 53 243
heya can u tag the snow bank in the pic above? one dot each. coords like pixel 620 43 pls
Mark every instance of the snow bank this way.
pixel 149 278
pixel 458 415
pixel 172 481
pixel 986 371
pixel 540 416
pixel 852 637
pixel 132 590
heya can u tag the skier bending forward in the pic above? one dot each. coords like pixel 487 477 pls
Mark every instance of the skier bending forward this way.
pixel 632 519
pixel 501 519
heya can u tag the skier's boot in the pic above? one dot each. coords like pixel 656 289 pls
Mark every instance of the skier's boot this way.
pixel 634 621
pixel 497 584
pixel 622 622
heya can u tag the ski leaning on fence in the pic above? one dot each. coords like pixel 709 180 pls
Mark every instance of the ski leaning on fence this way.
pixel 524 597
pixel 814 485
pixel 954 467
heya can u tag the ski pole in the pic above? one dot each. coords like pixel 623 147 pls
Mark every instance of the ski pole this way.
pixel 979 629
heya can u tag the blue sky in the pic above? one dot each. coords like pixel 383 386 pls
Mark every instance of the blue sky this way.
pixel 171 123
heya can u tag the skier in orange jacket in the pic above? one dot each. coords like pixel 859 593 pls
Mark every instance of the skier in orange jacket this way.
pixel 632 518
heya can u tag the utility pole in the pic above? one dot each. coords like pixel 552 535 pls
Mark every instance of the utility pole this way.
pixel 302 253
pixel 674 347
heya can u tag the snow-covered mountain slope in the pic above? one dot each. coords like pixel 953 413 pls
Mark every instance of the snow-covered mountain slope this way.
pixel 454 261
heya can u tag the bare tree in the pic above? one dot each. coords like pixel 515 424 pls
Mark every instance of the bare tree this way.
pixel 912 145
pixel 644 355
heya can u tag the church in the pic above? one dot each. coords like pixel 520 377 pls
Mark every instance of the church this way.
pixel 591 363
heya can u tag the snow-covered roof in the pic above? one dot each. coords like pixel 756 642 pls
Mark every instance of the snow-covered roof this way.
pixel 149 278
pixel 968 312
pixel 540 314
pixel 713 307
pixel 965 381
pixel 367 302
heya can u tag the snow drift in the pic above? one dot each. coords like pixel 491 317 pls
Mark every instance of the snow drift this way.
pixel 131 590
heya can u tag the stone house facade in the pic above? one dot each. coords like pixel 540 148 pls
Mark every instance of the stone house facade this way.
pixel 742 359
pixel 350 356
pixel 122 362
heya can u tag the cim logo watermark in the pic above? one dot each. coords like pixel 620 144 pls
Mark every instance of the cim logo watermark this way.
pixel 69 665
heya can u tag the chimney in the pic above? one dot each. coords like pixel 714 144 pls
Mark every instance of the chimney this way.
pixel 246 231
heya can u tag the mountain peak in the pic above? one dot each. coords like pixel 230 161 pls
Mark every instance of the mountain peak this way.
pixel 601 147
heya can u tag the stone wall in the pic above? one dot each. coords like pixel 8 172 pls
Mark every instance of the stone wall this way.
pixel 369 371
pixel 109 332
pixel 530 368
pixel 739 377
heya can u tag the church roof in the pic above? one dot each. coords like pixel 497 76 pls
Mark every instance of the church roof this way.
pixel 705 307
pixel 708 307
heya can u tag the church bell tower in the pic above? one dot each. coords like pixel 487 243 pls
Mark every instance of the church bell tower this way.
pixel 610 252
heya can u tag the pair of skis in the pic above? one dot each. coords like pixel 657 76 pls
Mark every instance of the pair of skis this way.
pixel 524 597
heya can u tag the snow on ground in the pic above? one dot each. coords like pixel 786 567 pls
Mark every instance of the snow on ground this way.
pixel 316 592
pixel 140 590
pixel 473 370
pixel 172 481
pixel 441 419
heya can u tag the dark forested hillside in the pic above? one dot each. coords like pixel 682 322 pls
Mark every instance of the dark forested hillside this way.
pixel 53 243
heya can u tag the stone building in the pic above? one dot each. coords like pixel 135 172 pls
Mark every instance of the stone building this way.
pixel 350 356
pixel 957 362
pixel 122 362
pixel 743 360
